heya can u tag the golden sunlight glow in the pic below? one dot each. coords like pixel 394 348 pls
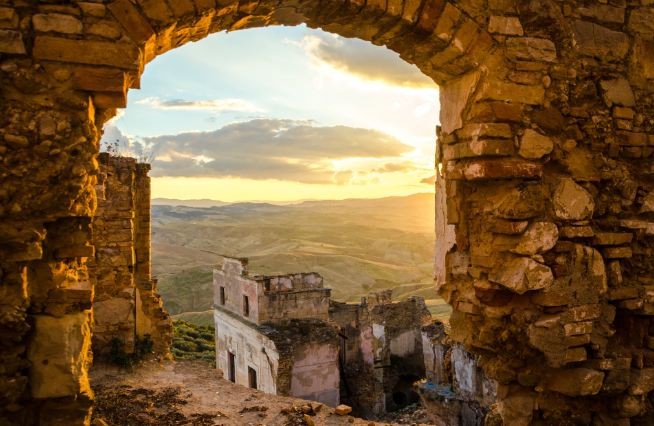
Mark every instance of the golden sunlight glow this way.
pixel 237 189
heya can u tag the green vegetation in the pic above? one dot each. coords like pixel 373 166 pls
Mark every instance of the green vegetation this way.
pixel 193 342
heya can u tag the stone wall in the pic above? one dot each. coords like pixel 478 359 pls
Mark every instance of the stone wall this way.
pixel 381 351
pixel 270 298
pixel 456 391
pixel 126 306
pixel 545 154
pixel 297 357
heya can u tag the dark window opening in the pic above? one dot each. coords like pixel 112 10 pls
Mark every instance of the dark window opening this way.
pixel 222 295
pixel 403 393
pixel 246 306
pixel 252 378
pixel 232 367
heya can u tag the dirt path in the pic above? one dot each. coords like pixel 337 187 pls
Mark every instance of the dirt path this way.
pixel 192 393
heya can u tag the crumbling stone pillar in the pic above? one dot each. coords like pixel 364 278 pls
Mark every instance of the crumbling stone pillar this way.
pixel 547 173
pixel 127 307
pixel 47 174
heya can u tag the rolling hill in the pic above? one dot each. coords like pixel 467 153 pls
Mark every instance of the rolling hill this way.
pixel 359 246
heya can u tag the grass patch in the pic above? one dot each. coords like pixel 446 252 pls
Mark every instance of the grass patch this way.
pixel 193 342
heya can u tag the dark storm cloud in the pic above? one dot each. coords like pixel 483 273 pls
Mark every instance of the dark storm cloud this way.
pixel 269 149
pixel 365 60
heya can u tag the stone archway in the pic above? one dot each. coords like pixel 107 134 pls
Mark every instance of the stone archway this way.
pixel 544 209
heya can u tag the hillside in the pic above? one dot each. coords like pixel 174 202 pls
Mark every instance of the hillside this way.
pixel 359 246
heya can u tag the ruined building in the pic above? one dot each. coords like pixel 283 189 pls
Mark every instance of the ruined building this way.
pixel 282 334
pixel 272 333
pixel 126 307
pixel 545 211
pixel 381 352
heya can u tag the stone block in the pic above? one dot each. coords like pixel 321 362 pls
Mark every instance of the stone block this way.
pixel 617 252
pixel 92 9
pixel 642 381
pixel 603 13
pixel 157 11
pixel 572 202
pixel 430 14
pixel 505 25
pixel 618 91
pixel 531 49
pixel 109 100
pixel 119 55
pixel 578 328
pixel 56 22
pixel 623 113
pixel 575 355
pixel 539 238
pixel 533 145
pixel 8 18
pixel 96 79
pixel 575 381
pixel 522 274
pixel 584 312
pixel 454 97
pixel 447 22
pixel 478 148
pixel 182 8
pixel 137 27
pixel 485 130
pixel 600 42
pixel 612 238
pixel 632 138
pixel 497 90
pixel 643 57
pixel 493 169
pixel 641 21
pixel 114 311
pixel 576 232
pixel 509 227
pixel 59 353
pixel 11 42
pixel 343 410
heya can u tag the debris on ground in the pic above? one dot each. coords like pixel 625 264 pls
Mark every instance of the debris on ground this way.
pixel 409 415
pixel 130 406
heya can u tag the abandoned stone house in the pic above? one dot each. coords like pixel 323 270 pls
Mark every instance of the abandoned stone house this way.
pixel 544 194
pixel 283 334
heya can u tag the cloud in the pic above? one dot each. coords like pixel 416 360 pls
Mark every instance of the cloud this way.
pixel 431 180
pixel 275 149
pixel 364 60
pixel 215 105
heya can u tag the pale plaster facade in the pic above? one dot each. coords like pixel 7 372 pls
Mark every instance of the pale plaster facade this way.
pixel 272 334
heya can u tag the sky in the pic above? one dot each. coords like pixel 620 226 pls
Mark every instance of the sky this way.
pixel 280 114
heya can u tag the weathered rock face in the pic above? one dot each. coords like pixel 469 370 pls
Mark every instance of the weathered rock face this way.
pixel 546 118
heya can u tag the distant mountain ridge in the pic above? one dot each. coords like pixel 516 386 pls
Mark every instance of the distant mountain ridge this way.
pixel 207 203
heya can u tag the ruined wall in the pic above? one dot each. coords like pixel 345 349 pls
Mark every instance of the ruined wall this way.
pixel 315 375
pixel 456 390
pixel 548 174
pixel 251 348
pixel 545 154
pixel 126 305
pixel 270 298
pixel 297 358
pixel 381 351
pixel 293 296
